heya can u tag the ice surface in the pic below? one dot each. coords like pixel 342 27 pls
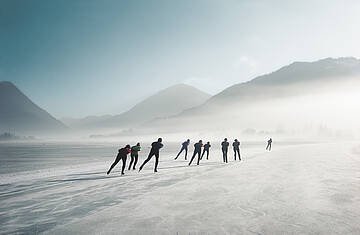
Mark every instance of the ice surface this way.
pixel 295 189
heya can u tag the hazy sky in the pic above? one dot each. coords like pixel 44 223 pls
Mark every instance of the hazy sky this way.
pixel 76 58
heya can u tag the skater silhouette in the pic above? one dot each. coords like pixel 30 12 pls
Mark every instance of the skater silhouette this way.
pixel 224 148
pixel 123 152
pixel 206 149
pixel 184 147
pixel 236 146
pixel 134 155
pixel 155 149
pixel 269 142
pixel 197 150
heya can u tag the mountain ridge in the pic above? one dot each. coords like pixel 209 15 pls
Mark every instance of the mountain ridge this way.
pixel 164 103
pixel 21 114
pixel 293 80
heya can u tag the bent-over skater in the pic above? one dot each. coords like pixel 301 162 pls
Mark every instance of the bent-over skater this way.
pixel 184 147
pixel 155 149
pixel 197 150
pixel 269 142
pixel 134 155
pixel 206 149
pixel 122 155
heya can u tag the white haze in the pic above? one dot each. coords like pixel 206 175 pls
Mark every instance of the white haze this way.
pixel 317 110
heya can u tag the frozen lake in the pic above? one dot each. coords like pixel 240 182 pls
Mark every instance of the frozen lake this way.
pixel 62 188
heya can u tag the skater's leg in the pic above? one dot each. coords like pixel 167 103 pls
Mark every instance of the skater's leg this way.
pixel 113 165
pixel 186 151
pixel 198 161
pixel 156 161
pixel 192 158
pixel 136 156
pixel 179 153
pixel 146 160
pixel 131 161
pixel 207 155
pixel 202 154
pixel 124 165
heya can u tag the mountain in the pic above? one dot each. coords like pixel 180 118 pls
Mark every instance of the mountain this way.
pixel 295 75
pixel 294 88
pixel 20 114
pixel 297 78
pixel 165 103
pixel 87 121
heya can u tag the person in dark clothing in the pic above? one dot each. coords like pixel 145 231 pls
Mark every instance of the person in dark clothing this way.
pixel 184 147
pixel 155 149
pixel 197 150
pixel 236 146
pixel 206 149
pixel 269 142
pixel 224 148
pixel 122 155
pixel 134 155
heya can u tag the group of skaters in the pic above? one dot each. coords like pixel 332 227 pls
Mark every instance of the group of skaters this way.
pixel 134 150
pixel 157 145
pixel 197 150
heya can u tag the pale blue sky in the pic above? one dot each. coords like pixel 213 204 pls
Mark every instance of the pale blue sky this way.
pixel 77 58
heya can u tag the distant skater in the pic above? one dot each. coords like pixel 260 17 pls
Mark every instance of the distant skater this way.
pixel 134 155
pixel 224 148
pixel 197 150
pixel 184 147
pixel 155 149
pixel 236 146
pixel 269 142
pixel 206 149
pixel 122 155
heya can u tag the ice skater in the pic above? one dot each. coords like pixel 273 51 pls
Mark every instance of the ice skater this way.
pixel 206 149
pixel 122 155
pixel 134 155
pixel 269 142
pixel 184 147
pixel 236 146
pixel 224 148
pixel 197 150
pixel 155 149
